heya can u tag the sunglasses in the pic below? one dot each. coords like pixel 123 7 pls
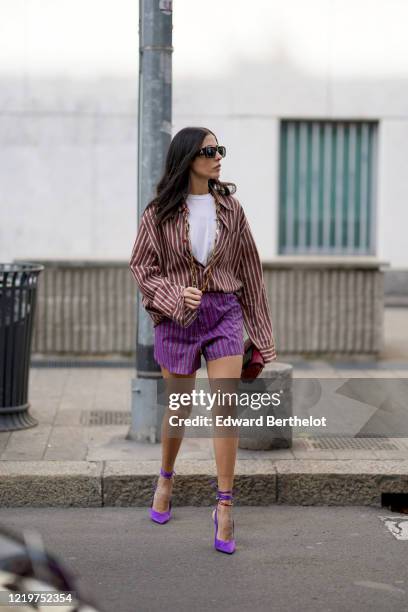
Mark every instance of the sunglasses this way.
pixel 211 151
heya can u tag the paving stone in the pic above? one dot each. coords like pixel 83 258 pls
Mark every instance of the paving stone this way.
pixel 68 443
pixel 26 444
pixel 4 438
pixel 354 453
pixel 318 455
pixel 68 417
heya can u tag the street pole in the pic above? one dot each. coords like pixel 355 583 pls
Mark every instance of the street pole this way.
pixel 154 136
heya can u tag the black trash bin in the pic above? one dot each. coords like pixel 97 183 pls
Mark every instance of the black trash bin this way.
pixel 18 292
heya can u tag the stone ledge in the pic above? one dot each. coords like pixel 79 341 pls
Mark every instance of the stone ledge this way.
pixel 325 261
pixel 50 483
pixel 339 482
pixel 128 483
pixel 257 482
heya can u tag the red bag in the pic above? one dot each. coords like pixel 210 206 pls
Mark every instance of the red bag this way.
pixel 252 363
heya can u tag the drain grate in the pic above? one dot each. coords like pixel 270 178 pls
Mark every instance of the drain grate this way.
pixel 342 442
pixel 105 417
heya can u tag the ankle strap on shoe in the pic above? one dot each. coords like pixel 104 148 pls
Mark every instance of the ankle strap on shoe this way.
pixel 224 495
pixel 166 474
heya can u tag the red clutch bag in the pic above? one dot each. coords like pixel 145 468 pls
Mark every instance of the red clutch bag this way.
pixel 252 363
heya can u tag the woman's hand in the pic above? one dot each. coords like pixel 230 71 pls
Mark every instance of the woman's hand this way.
pixel 192 297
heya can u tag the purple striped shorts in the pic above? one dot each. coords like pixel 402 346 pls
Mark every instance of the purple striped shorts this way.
pixel 216 332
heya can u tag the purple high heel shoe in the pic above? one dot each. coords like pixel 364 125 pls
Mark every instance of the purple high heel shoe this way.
pixel 161 517
pixel 226 546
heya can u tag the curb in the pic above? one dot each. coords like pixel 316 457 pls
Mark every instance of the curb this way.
pixel 256 483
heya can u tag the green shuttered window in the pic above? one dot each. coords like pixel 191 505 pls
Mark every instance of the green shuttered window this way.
pixel 327 187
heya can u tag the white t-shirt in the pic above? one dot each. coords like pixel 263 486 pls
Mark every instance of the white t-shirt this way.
pixel 203 224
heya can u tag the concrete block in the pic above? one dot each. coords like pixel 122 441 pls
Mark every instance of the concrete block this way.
pixel 132 483
pixel 268 438
pixel 50 483
pixel 344 483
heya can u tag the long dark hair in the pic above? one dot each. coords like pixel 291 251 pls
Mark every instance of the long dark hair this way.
pixel 172 188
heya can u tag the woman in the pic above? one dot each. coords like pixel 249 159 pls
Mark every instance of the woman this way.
pixel 200 275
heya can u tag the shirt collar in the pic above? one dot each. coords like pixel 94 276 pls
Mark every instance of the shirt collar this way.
pixel 221 199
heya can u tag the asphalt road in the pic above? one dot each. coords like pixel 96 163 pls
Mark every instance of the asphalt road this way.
pixel 288 558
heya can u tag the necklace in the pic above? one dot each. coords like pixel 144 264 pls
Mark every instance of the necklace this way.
pixel 192 264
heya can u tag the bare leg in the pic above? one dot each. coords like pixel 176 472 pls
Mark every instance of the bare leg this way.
pixel 170 448
pixel 225 448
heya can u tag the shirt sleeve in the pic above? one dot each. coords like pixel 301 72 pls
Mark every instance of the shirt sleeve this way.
pixel 160 295
pixel 254 302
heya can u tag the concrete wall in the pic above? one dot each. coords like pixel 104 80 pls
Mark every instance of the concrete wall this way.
pixel 393 193
pixel 319 306
pixel 68 102
pixel 68 128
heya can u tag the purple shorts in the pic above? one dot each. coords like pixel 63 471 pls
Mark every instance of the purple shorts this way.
pixel 216 332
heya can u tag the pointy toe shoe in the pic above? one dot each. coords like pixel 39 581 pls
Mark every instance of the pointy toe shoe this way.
pixel 225 546
pixel 160 517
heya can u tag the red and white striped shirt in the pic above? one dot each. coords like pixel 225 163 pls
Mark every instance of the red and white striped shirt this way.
pixel 160 263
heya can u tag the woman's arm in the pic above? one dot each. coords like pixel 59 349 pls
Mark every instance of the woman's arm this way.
pixel 160 295
pixel 254 302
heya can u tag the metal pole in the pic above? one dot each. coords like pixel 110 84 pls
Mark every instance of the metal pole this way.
pixel 154 135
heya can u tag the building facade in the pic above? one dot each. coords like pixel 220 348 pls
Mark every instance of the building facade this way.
pixel 310 99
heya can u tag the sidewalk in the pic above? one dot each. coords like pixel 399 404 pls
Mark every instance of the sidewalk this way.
pixel 78 454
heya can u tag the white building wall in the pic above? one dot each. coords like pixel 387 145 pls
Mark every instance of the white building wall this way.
pixel 68 102
pixel 392 221
pixel 68 128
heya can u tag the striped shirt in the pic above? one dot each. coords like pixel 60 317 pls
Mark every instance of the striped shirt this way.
pixel 160 263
